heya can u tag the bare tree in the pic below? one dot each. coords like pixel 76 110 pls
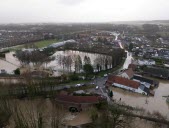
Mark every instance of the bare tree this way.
pixel 57 116
pixel 78 63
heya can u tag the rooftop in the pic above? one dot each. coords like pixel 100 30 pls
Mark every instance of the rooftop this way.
pixel 123 81
pixel 132 66
pixel 129 72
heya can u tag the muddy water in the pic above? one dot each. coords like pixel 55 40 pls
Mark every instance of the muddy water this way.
pixel 127 61
pixel 155 103
pixel 59 68
pixel 11 63
pixel 151 104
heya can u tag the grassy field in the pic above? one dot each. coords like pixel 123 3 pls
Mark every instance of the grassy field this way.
pixel 38 44
pixel 45 43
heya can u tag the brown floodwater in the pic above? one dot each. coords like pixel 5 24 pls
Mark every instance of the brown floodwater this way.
pixel 149 103
pixel 155 103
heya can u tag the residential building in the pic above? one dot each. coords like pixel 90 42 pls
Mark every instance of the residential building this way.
pixel 146 62
pixel 3 71
pixel 127 84
pixel 132 66
pixel 145 81
pixel 128 73
pixel 78 103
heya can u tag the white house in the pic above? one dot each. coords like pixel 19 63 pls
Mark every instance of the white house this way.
pixel 148 85
pixel 127 84
pixel 146 62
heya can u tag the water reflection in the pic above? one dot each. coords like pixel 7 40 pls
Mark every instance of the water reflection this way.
pixel 95 59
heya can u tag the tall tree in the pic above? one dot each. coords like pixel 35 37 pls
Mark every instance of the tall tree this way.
pixel 130 47
pixel 78 63
pixel 88 69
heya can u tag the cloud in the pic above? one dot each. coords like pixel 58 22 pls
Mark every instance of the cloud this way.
pixel 82 10
pixel 71 2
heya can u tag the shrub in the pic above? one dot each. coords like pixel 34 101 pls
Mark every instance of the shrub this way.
pixel 17 71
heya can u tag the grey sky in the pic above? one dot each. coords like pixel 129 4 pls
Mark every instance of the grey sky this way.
pixel 26 11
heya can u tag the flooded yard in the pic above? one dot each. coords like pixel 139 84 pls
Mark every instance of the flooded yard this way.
pixel 150 103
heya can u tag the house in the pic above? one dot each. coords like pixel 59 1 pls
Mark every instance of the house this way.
pixel 3 71
pixel 146 62
pixel 127 84
pixel 145 81
pixel 78 103
pixel 128 73
pixel 132 66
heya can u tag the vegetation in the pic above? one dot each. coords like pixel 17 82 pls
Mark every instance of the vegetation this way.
pixel 45 43
pixel 39 114
pixel 130 47
pixel 74 77
pixel 158 61
pixel 35 57
pixel 2 55
pixel 88 69
pixel 94 114
pixel 38 44
pixel 157 72
pixel 5 112
pixel 122 116
pixel 17 71
pixel 111 94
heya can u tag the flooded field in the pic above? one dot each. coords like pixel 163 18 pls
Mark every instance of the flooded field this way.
pixel 10 63
pixel 58 68
pixel 151 104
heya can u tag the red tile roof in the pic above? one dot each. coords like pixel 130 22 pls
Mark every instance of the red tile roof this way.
pixel 78 99
pixel 129 72
pixel 123 81
pixel 133 66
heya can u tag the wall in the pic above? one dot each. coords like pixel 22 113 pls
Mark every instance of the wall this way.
pixel 124 87
pixel 129 88
pixel 124 75
pixel 140 91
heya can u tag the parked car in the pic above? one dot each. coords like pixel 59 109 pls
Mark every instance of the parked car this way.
pixel 83 84
pixel 78 85
pixel 105 75
pixel 92 83
pixel 97 87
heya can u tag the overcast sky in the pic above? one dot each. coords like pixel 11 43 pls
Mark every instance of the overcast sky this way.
pixel 30 11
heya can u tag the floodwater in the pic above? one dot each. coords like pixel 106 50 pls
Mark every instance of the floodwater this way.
pixel 11 62
pixel 58 69
pixel 128 60
pixel 151 103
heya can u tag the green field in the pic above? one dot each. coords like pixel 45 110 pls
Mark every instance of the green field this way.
pixel 38 44
pixel 44 43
